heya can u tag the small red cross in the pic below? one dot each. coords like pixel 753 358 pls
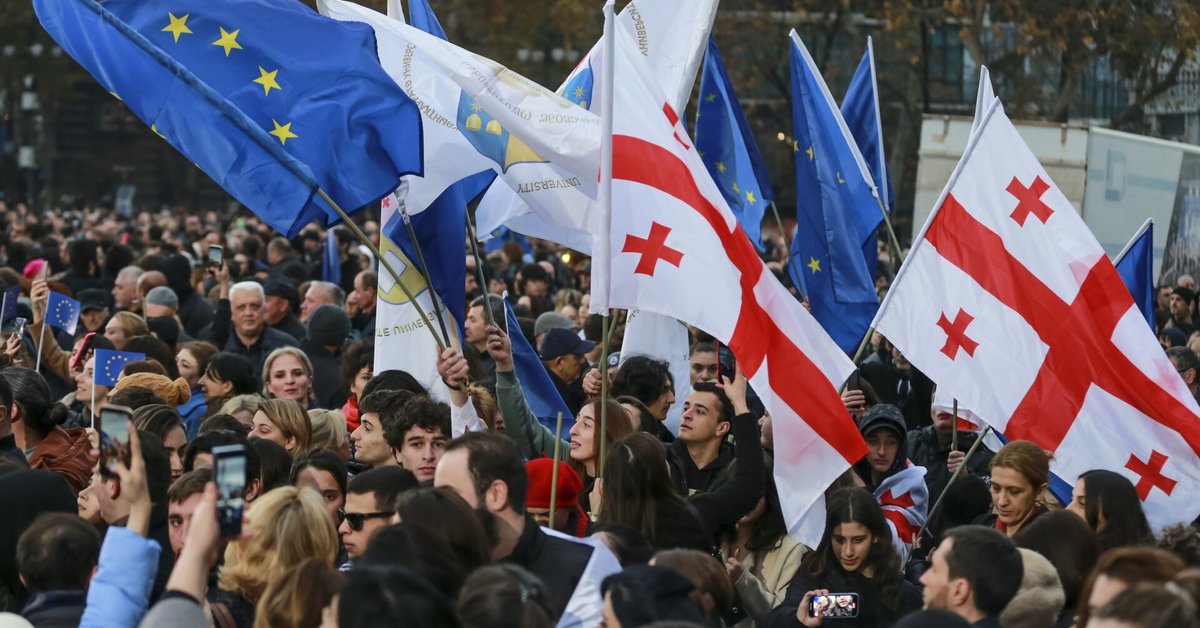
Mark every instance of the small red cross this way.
pixel 387 201
pixel 1151 474
pixel 652 248
pixel 905 500
pixel 956 334
pixel 1029 200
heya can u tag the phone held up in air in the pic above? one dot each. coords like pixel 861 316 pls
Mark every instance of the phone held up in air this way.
pixel 216 255
pixel 726 364
pixel 229 472
pixel 834 605
pixel 19 324
pixel 114 438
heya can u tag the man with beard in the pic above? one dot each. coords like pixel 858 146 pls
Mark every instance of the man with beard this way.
pixel 486 470
pixel 370 499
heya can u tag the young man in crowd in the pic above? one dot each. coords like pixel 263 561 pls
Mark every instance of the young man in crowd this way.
pixel 370 505
pixel 56 557
pixel 417 432
pixel 975 572
pixel 700 455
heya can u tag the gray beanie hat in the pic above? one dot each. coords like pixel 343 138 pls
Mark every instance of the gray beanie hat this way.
pixel 328 326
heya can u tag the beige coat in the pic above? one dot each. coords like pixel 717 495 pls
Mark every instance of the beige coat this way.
pixel 763 585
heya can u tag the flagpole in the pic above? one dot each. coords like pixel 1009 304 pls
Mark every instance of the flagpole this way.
pixel 1129 245
pixel 554 469
pixel 954 434
pixel 953 476
pixel 473 236
pixel 41 337
pixel 606 167
pixel 93 395
pixel 412 237
pixel 362 237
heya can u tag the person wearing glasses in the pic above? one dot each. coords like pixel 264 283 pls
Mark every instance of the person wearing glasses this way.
pixel 370 504
pixel 1187 364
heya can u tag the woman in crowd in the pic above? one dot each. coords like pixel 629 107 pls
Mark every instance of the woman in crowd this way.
pixel 444 514
pixel 637 488
pixel 325 473
pixel 1069 544
pixel 173 392
pixel 1109 504
pixel 165 423
pixel 855 555
pixel 123 326
pixel 1020 474
pixel 191 360
pixel 329 431
pixel 284 423
pixel 287 374
pixel 888 473
pixel 242 408
pixel 358 366
pixel 227 375
pixel 299 597
pixel 37 425
pixel 713 592
pixel 760 557
pixel 285 527
pixel 1118 570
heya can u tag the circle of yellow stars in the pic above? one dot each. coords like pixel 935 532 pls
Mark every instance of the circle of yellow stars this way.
pixel 177 26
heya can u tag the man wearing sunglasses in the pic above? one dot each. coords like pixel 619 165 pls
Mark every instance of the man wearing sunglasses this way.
pixel 369 505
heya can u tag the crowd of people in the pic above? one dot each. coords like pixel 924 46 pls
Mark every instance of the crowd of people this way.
pixel 371 501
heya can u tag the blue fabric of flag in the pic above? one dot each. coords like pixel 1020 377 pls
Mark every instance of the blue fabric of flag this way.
pixel 860 109
pixel 726 145
pixel 107 368
pixel 62 312
pixel 540 392
pixel 1136 269
pixel 10 297
pixel 266 96
pixel 441 229
pixel 830 190
pixel 331 263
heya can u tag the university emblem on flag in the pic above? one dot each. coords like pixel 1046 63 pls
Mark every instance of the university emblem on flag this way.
pixel 389 288
pixel 490 138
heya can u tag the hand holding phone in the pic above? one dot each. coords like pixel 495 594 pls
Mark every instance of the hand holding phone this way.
pixel 114 439
pixel 216 256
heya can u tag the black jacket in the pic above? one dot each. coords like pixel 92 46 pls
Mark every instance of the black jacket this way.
pixel 697 524
pixel 196 313
pixel 871 612
pixel 925 450
pixel 270 340
pixel 327 377
pixel 292 326
pixel 557 562
pixel 55 609
pixel 571 392
pixel 687 477
pixel 886 379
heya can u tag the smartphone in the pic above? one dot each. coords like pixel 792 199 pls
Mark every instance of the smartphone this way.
pixel 84 352
pixel 836 605
pixel 216 255
pixel 229 471
pixel 726 365
pixel 19 324
pixel 114 438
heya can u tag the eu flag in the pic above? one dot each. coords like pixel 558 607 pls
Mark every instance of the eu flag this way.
pixel 540 393
pixel 726 145
pixel 860 109
pixel 1135 265
pixel 10 296
pixel 109 364
pixel 441 228
pixel 832 186
pixel 62 312
pixel 331 263
pixel 266 96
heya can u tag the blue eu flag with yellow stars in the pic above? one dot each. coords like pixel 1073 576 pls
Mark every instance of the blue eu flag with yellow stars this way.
pixel 109 364
pixel 62 312
pixel 726 144
pixel 832 186
pixel 268 97
pixel 9 298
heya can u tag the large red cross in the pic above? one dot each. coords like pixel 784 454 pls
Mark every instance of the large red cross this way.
pixel 1029 200
pixel 1078 334
pixel 1150 474
pixel 652 248
pixel 956 334
pixel 904 528
pixel 757 338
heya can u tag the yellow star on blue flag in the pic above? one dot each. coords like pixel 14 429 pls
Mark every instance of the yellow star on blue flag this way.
pixel 62 312
pixel 107 369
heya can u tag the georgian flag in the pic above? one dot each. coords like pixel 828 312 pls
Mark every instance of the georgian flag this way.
pixel 1009 303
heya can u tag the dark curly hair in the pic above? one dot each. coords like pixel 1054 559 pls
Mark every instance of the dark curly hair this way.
pixel 643 378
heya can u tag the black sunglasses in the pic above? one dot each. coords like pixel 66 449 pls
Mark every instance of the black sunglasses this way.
pixel 357 519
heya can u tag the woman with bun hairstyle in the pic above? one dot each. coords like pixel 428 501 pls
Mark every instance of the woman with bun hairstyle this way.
pixel 37 423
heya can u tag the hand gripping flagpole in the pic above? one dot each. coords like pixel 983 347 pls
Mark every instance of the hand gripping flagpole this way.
pixel 606 160
pixel 953 476
pixel 362 237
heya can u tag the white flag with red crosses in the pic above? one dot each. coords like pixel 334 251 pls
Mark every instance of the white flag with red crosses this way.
pixel 676 249
pixel 1009 303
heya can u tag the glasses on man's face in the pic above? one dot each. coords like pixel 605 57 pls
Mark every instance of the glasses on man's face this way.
pixel 356 519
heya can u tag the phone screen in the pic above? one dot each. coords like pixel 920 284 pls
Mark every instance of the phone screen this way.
pixel 114 438
pixel 836 605
pixel 216 255
pixel 229 472
pixel 726 365
pixel 19 324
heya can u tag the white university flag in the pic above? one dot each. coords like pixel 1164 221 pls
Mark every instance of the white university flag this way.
pixel 1009 303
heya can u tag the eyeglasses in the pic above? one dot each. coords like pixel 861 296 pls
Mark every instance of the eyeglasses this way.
pixel 357 519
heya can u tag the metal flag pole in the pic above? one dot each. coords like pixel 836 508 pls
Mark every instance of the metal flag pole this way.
pixel 554 469
pixel 953 476
pixel 412 237
pixel 473 235
pixel 954 432
pixel 789 261
pixel 362 237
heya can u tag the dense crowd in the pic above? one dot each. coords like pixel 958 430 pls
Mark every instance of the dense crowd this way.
pixel 370 501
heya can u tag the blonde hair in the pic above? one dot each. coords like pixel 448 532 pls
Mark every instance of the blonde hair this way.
pixel 287 526
pixel 485 404
pixel 290 419
pixel 1026 458
pixel 132 324
pixel 249 403
pixel 300 357
pixel 328 429
pixel 298 598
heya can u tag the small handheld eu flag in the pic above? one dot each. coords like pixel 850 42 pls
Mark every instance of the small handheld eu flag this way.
pixel 10 296
pixel 62 312
pixel 109 363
